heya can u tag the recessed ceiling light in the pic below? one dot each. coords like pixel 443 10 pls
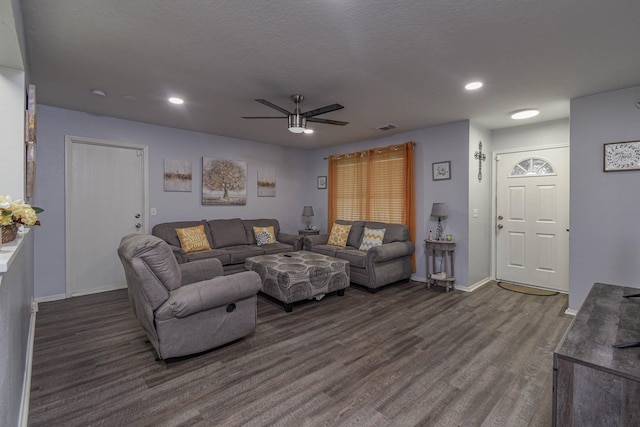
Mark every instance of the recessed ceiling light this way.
pixel 176 101
pixel 473 85
pixel 308 131
pixel 524 114
pixel 98 92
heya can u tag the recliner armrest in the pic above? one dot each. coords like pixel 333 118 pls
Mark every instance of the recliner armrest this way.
pixel 197 271
pixel 201 296
pixel 389 251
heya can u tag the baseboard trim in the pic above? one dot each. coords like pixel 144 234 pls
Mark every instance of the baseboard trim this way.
pixel 26 381
pixel 475 286
pixel 418 278
pixel 57 297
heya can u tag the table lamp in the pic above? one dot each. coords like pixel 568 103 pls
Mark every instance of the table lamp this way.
pixel 307 211
pixel 440 211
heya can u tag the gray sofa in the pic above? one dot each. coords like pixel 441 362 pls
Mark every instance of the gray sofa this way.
pixel 232 241
pixel 377 267
pixel 186 308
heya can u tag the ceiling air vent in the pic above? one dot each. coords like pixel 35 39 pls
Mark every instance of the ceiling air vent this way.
pixel 388 126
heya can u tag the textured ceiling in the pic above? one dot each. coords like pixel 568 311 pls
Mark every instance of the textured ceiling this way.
pixel 403 62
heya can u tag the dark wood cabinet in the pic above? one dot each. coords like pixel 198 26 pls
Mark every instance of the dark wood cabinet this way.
pixel 595 384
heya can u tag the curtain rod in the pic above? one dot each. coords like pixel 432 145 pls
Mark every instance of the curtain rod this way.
pixel 368 149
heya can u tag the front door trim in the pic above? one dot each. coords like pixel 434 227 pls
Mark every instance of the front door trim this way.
pixel 494 192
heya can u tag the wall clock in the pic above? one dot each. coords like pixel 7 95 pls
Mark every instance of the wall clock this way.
pixel 622 156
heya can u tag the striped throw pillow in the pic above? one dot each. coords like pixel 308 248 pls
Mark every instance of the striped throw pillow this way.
pixel 371 238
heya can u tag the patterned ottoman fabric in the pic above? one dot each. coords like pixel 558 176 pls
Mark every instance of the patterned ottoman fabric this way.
pixel 302 275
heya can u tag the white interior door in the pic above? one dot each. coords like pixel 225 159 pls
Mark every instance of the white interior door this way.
pixel 105 200
pixel 532 218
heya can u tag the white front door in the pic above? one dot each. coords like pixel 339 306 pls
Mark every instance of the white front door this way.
pixel 532 218
pixel 105 200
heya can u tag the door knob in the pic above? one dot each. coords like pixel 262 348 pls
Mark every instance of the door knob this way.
pixel 137 215
pixel 500 226
pixel 138 225
pixel 500 217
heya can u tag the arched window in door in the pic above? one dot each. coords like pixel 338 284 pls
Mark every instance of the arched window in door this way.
pixel 534 166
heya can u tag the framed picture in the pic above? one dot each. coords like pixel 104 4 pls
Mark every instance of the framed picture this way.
pixel 266 183
pixel 322 183
pixel 224 182
pixel 622 156
pixel 30 142
pixel 177 175
pixel 441 170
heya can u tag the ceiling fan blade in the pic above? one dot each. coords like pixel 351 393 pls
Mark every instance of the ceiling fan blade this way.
pixel 274 106
pixel 264 117
pixel 327 121
pixel 318 111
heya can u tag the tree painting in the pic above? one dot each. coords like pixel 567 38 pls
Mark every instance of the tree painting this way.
pixel 224 182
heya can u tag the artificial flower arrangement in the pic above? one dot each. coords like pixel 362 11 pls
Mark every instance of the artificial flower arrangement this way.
pixel 17 212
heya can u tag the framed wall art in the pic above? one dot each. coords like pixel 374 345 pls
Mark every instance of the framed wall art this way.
pixel 621 156
pixel 266 183
pixel 224 182
pixel 441 170
pixel 177 175
pixel 322 183
pixel 30 144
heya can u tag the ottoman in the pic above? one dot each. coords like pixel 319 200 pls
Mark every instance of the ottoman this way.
pixel 296 276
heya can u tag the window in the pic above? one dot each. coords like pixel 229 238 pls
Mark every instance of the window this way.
pixel 373 185
pixel 534 166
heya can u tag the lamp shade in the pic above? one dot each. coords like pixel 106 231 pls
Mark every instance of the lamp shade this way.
pixel 439 210
pixel 307 211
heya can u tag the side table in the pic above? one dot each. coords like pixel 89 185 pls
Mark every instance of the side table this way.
pixel 446 249
pixel 308 232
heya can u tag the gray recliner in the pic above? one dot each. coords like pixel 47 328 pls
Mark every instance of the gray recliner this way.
pixel 187 308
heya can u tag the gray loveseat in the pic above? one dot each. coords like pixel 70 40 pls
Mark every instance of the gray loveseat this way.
pixel 232 241
pixel 377 267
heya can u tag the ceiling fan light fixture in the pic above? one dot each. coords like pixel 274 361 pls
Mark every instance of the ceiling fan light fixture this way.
pixel 297 123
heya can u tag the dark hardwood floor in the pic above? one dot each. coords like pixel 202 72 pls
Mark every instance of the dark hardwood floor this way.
pixel 404 356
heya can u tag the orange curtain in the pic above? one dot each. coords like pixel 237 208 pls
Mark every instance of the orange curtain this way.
pixel 374 185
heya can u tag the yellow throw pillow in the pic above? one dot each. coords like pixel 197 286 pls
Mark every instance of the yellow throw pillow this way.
pixel 339 235
pixel 193 239
pixel 264 235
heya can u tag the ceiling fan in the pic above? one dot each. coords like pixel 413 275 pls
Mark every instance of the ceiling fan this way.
pixel 298 120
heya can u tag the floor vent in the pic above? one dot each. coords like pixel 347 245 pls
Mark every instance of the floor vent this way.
pixel 387 127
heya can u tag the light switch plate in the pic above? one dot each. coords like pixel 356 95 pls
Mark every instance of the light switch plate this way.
pixel 153 211
pixel 474 212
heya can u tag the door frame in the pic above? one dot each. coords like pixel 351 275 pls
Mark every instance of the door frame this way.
pixel 69 140
pixel 494 195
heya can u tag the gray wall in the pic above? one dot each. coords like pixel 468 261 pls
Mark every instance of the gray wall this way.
pixel 290 164
pixel 605 207
pixel 16 294
pixel 434 144
pixel 479 199
pixel 554 132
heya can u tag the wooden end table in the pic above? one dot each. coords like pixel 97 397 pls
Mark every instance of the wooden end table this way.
pixel 446 249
